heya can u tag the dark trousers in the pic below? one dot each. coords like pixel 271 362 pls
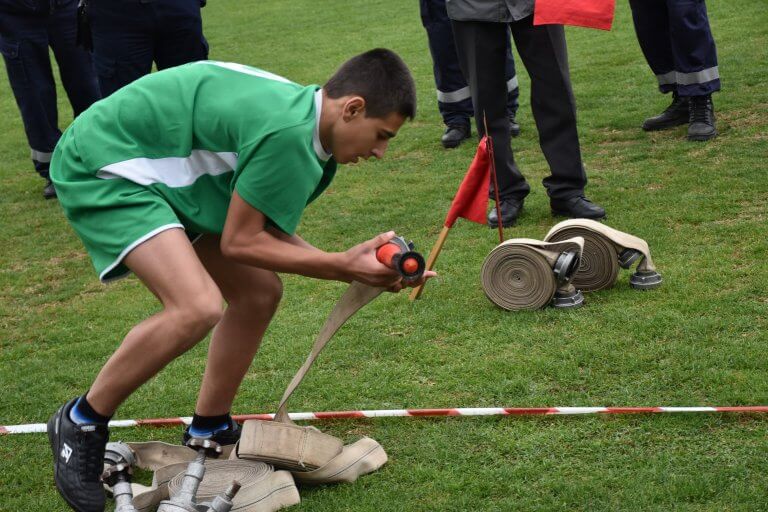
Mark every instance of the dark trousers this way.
pixel 481 49
pixel 453 96
pixel 129 35
pixel 677 43
pixel 24 43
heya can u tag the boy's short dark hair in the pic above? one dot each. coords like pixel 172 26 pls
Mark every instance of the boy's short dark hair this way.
pixel 381 77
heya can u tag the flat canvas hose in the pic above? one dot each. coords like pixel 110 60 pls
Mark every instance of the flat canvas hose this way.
pixel 605 251
pixel 522 273
pixel 312 456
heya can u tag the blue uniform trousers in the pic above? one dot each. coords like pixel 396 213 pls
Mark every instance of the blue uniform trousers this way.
pixel 128 35
pixel 677 43
pixel 454 99
pixel 24 41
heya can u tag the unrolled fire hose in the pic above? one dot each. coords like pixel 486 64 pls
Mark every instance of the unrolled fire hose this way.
pixel 605 250
pixel 313 457
pixel 522 273
pixel 262 489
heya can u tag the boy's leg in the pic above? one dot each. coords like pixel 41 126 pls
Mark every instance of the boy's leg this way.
pixel 252 295
pixel 192 305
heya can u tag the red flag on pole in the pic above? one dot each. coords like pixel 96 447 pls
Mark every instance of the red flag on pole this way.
pixel 580 13
pixel 471 200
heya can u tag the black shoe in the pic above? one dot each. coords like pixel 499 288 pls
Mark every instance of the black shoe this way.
pixel 675 115
pixel 223 437
pixel 455 134
pixel 578 207
pixel 514 128
pixel 49 192
pixel 78 460
pixel 702 118
pixel 510 210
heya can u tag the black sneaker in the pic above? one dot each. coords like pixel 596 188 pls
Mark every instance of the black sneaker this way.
pixel 78 460
pixel 223 437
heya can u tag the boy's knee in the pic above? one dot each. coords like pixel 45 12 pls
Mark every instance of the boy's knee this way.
pixel 262 296
pixel 201 313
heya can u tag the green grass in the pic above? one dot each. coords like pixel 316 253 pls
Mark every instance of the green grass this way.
pixel 699 340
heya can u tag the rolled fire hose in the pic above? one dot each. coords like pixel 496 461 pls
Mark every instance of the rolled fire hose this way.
pixel 605 250
pixel 262 488
pixel 312 456
pixel 522 273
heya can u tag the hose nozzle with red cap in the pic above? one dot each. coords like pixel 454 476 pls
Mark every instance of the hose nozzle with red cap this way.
pixel 399 255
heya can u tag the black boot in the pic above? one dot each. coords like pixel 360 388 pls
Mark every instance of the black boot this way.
pixel 510 209
pixel 455 134
pixel 578 207
pixel 49 192
pixel 514 127
pixel 702 118
pixel 675 115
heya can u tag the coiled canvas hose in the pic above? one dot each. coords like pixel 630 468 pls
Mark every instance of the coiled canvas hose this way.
pixel 517 277
pixel 605 250
pixel 599 267
pixel 518 273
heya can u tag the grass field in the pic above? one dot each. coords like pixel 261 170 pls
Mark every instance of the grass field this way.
pixel 699 340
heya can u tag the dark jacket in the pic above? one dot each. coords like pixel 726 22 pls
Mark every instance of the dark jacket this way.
pixel 33 7
pixel 501 11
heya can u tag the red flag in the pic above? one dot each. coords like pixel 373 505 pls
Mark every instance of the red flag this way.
pixel 471 200
pixel 579 13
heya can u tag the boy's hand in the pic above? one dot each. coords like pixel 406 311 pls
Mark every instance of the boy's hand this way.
pixel 361 265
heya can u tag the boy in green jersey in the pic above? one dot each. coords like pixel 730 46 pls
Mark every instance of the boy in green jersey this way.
pixel 226 156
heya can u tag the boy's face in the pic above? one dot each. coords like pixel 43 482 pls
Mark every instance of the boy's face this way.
pixel 357 136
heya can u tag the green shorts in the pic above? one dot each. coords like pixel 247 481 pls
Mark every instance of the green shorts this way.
pixel 111 216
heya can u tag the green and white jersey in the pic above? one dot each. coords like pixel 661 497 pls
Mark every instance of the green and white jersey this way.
pixel 195 133
pixel 169 150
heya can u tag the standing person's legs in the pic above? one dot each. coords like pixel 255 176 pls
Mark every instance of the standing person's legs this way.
pixel 695 56
pixel 24 45
pixel 543 51
pixel 653 30
pixel 178 33
pixel 252 295
pixel 453 97
pixel 75 65
pixel 482 52
pixel 513 90
pixel 123 43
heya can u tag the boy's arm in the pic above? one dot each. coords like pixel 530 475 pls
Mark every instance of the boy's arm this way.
pixel 291 239
pixel 247 240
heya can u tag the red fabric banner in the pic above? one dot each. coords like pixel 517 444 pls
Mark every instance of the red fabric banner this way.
pixel 579 13
pixel 471 200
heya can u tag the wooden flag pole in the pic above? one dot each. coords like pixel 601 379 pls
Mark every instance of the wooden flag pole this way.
pixel 489 142
pixel 416 292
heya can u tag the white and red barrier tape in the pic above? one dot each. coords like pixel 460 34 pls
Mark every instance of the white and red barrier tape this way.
pixel 34 428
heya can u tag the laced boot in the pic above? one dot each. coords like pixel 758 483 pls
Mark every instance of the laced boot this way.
pixel 675 115
pixel 701 119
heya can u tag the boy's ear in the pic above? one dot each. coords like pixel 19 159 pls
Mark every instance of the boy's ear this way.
pixel 353 107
